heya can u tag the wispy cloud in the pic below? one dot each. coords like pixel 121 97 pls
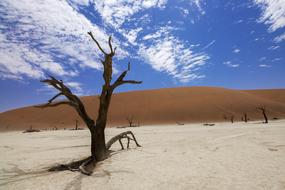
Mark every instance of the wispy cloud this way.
pixel 230 64
pixel 276 59
pixel 273 15
pixel 264 66
pixel 36 37
pixel 209 44
pixel 199 6
pixel 262 58
pixel 162 31
pixel 236 50
pixel 76 87
pixel 239 21
pixel 170 55
pixel 131 35
pixel 115 13
pixel 273 48
pixel 280 38
pixel 18 60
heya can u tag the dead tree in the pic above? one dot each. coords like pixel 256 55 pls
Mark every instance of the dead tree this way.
pixel 232 118
pixel 119 138
pixel 263 110
pixel 130 120
pixel 225 117
pixel 245 117
pixel 76 124
pixel 99 150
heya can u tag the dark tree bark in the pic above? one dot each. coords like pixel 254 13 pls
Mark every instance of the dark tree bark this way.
pixel 130 120
pixel 245 117
pixel 76 124
pixel 263 111
pixel 232 118
pixel 225 117
pixel 99 151
pixel 121 136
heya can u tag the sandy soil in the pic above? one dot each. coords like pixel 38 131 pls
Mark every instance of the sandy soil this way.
pixel 160 106
pixel 224 156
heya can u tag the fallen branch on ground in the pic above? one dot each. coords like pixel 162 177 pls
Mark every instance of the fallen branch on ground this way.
pixel 87 165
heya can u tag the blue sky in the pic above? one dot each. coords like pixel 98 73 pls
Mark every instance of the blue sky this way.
pixel 226 43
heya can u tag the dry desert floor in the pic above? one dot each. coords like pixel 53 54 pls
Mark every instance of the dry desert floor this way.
pixel 224 156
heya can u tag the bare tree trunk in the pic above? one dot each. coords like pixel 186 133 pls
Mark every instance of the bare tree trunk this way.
pixel 245 118
pixel 76 124
pixel 130 120
pixel 98 145
pixel 225 117
pixel 232 118
pixel 263 110
pixel 265 117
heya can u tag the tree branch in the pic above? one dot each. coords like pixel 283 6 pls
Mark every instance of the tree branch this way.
pixel 110 45
pixel 97 43
pixel 54 104
pixel 120 80
pixel 53 98
pixel 72 100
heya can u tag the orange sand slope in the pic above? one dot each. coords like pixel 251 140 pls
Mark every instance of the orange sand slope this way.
pixel 163 106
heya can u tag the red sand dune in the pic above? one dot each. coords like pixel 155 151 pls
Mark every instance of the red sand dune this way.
pixel 162 106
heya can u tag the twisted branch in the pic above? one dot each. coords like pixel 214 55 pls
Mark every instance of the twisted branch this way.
pixel 97 43
pixel 120 80
pixel 72 100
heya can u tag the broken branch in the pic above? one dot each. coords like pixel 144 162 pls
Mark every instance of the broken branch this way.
pixel 97 43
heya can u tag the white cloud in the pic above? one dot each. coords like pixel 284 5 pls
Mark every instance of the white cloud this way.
pixel 236 50
pixel 81 2
pixel 239 21
pixel 230 64
pixel 276 59
pixel 264 65
pixel 184 12
pixel 273 13
pixel 76 87
pixel 132 35
pixel 198 4
pixel 116 12
pixel 43 39
pixel 262 58
pixel 273 48
pixel 209 44
pixel 46 40
pixel 280 38
pixel 161 32
pixel 17 60
pixel 171 56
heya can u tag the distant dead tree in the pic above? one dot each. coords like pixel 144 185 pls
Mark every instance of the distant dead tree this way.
pixel 31 130
pixel 99 148
pixel 263 111
pixel 225 117
pixel 130 120
pixel 76 124
pixel 179 123
pixel 232 118
pixel 245 117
